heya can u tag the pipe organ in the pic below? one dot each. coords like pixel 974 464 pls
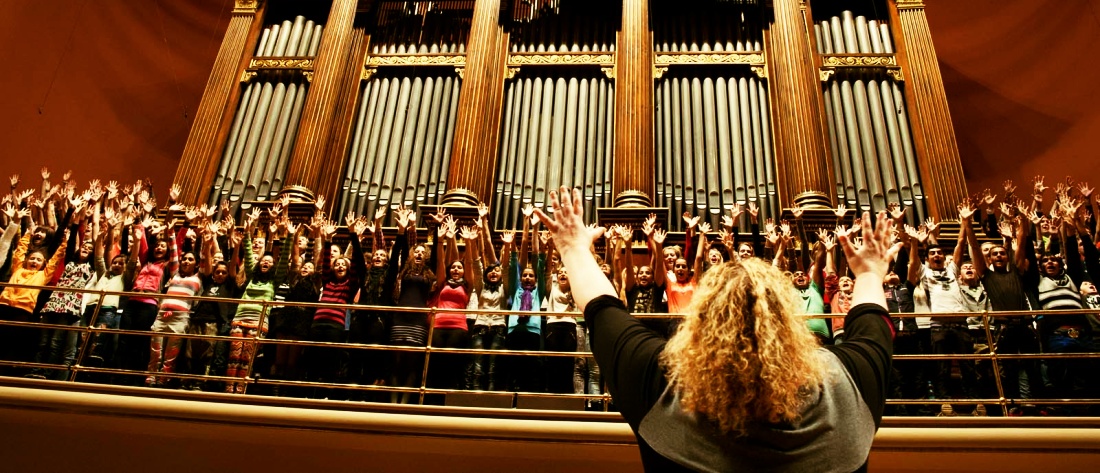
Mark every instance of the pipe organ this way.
pixel 404 128
pixel 870 139
pixel 262 135
pixel 643 104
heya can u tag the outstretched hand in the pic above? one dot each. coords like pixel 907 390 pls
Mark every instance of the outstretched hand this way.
pixel 873 258
pixel 567 224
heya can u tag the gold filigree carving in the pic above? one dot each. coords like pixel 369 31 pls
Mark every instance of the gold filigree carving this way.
pixel 417 60
pixel 554 59
pixel 659 71
pixel 510 72
pixel 461 72
pixel 281 63
pixel 751 58
pixel 245 6
pixel 910 4
pixel 367 73
pixel 308 75
pixel 896 74
pixel 875 60
pixel 247 76
pixel 760 71
pixel 826 74
pixel 609 71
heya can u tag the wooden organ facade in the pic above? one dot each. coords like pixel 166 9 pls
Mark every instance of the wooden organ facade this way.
pixel 643 104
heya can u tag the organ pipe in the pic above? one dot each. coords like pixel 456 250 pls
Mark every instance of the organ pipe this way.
pixel 868 127
pixel 262 133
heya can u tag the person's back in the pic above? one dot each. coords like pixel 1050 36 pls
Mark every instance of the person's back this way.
pixel 761 394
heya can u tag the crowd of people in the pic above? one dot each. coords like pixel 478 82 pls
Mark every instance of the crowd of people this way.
pixel 1039 255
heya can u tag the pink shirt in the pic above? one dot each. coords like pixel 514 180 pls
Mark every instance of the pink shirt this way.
pixel 451 298
pixel 679 295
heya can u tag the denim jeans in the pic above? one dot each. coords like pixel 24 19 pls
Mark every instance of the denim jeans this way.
pixel 481 373
pixel 104 343
pixel 1073 378
pixel 57 346
pixel 586 374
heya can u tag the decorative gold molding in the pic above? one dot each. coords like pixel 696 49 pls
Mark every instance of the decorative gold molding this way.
pixel 609 71
pixel 659 71
pixel 383 60
pixel 910 4
pixel 896 74
pixel 510 72
pixel 246 6
pixel 754 58
pixel 557 59
pixel 247 76
pixel 308 75
pixel 826 74
pixel 367 73
pixel 281 63
pixel 761 71
pixel 461 72
pixel 862 60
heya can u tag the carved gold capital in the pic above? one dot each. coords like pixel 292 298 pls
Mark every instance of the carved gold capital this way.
pixel 367 73
pixel 461 72
pixel 896 74
pixel 308 75
pixel 659 71
pixel 245 6
pixel 910 4
pixel 760 71
pixel 247 76
pixel 510 72
pixel 826 74
pixel 609 71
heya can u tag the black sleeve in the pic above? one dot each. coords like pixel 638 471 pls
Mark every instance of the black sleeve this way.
pixel 398 254
pixel 71 249
pixel 757 242
pixel 989 226
pixel 627 353
pixel 55 241
pixel 901 263
pixel 866 353
pixel 1074 268
pixel 1031 276
pixel 1092 256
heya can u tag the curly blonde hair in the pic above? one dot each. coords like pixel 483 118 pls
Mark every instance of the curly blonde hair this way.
pixel 742 355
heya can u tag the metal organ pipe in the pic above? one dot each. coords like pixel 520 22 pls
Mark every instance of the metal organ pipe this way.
pixel 869 127
pixel 264 128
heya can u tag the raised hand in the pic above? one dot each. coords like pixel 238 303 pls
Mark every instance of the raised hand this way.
pixel 567 225
pixel 528 210
pixel 704 227
pixel 659 236
pixel 14 180
pixel 320 203
pixel 469 233
pixel 23 195
pixel 1037 185
pixel 689 220
pixel 736 211
pixel 840 211
pixel 769 226
pixel 785 227
pixel 753 210
pixel 725 237
pixel 878 248
pixel 482 211
pixel 379 214
pixel 965 211
pixel 830 241
pixel 508 237
pixel 291 227
pixel 1005 227
pixel 9 210
pixel 647 228
pixel 1009 187
pixel 931 225
pixel 174 192
pixel 68 175
pixel 727 221
pixel 45 173
pixel 328 229
pixel 896 210
pixel 796 211
pixel 1083 187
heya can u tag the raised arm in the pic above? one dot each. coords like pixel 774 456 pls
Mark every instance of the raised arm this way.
pixel 660 273
pixel 700 252
pixel 966 227
pixel 55 261
pixel 488 253
pixel 573 240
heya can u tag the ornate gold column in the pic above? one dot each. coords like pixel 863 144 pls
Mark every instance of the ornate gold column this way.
pixel 933 132
pixel 318 116
pixel 477 122
pixel 199 162
pixel 794 87
pixel 632 175
pixel 332 173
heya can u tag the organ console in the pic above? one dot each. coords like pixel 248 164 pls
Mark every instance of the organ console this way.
pixel 644 105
